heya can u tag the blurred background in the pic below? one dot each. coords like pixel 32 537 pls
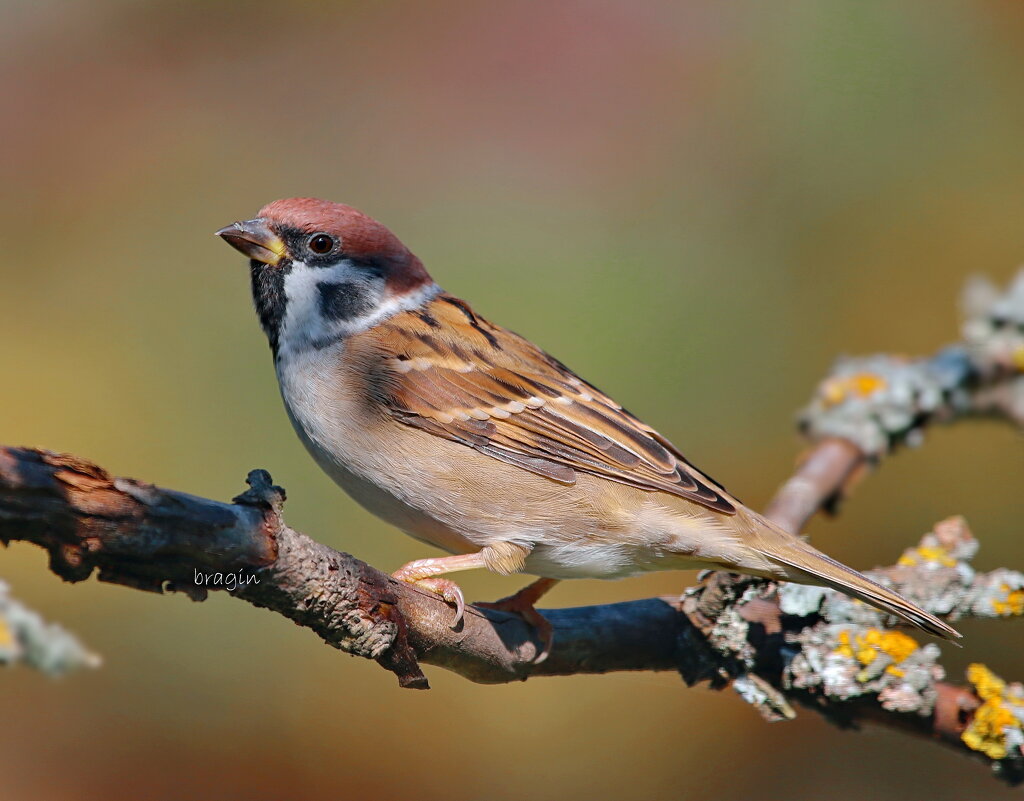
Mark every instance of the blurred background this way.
pixel 696 205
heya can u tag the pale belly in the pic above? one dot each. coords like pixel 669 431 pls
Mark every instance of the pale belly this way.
pixel 384 504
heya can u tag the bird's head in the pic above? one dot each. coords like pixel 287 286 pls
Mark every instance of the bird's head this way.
pixel 322 271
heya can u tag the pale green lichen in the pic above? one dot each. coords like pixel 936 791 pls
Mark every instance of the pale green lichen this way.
pixel 880 401
pixel 28 639
pixel 845 661
pixel 993 327
pixel 801 599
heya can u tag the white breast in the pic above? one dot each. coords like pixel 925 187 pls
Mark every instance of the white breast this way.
pixel 331 420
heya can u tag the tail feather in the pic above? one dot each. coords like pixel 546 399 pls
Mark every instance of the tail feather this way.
pixel 817 568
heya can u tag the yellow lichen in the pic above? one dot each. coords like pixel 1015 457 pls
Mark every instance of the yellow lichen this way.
pixel 866 654
pixel 866 647
pixel 1013 604
pixel 927 553
pixel 836 390
pixel 986 683
pixel 844 648
pixel 986 733
pixel 865 384
pixel 987 730
pixel 894 643
pixel 6 636
pixel 1018 358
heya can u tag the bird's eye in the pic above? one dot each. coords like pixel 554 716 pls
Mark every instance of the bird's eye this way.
pixel 321 243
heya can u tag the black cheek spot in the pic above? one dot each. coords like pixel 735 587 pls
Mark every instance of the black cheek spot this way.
pixel 344 301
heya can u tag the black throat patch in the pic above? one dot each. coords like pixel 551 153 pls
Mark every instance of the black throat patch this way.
pixel 268 297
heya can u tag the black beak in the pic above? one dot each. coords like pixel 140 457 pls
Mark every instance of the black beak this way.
pixel 254 239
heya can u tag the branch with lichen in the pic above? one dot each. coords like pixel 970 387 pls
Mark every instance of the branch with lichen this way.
pixel 868 407
pixel 778 645
pixel 787 644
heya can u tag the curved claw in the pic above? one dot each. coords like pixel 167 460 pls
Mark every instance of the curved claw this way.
pixel 449 591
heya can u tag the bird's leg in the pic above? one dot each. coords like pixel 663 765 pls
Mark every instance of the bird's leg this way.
pixel 425 573
pixel 522 604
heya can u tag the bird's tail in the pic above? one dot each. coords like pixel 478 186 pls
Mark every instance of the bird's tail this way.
pixel 802 563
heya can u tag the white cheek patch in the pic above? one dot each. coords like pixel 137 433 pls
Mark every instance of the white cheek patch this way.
pixel 324 304
pixel 309 316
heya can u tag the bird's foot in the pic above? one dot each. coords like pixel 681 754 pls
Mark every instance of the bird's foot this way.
pixel 522 604
pixel 446 588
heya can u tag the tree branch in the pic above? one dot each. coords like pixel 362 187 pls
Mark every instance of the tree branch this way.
pixel 154 539
pixel 775 644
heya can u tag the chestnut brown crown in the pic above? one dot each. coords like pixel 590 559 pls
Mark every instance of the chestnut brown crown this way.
pixel 345 233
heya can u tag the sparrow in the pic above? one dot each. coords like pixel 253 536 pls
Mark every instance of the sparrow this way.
pixel 471 438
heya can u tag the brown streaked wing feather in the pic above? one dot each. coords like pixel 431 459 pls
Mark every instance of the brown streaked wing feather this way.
pixel 458 376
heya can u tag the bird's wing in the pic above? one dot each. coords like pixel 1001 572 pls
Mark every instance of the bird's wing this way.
pixel 450 372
